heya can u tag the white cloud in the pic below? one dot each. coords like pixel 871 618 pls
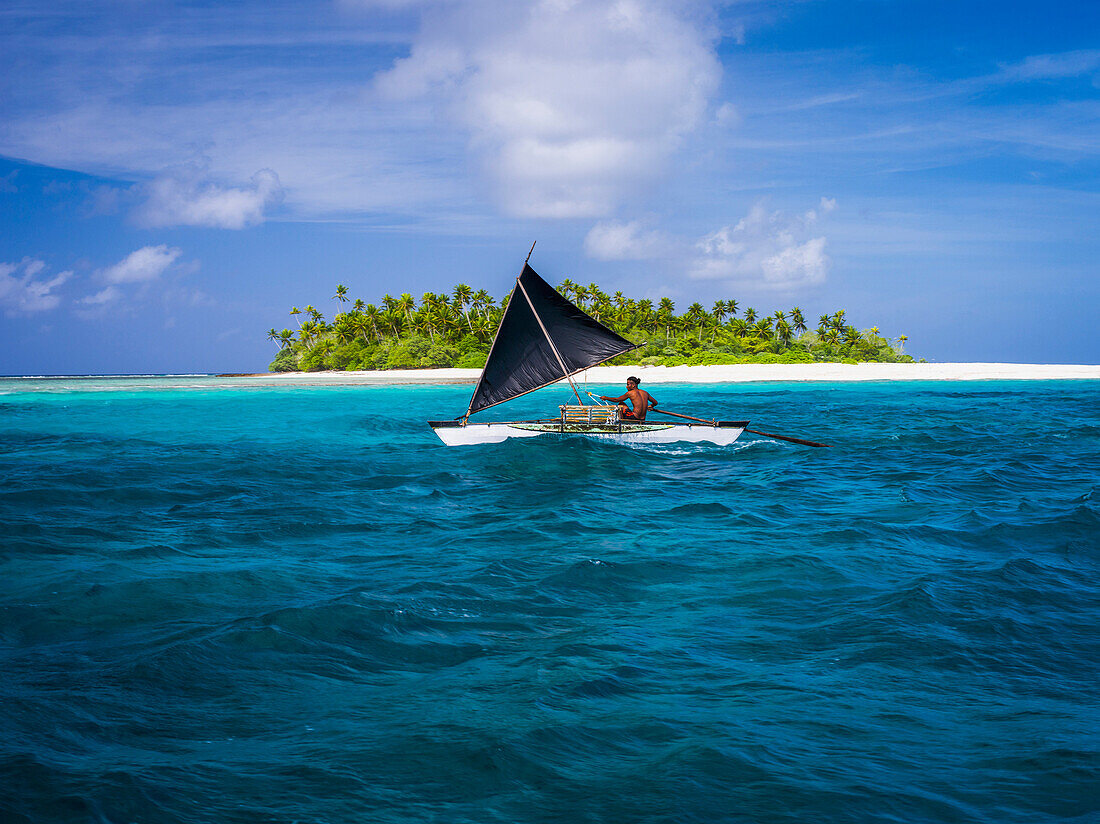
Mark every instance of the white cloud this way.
pixel 1053 66
pixel 145 264
pixel 134 278
pixel 765 248
pixel 824 207
pixel 550 107
pixel 107 295
pixel 797 265
pixel 727 115
pixel 21 291
pixel 388 4
pixel 182 196
pixel 514 85
pixel 569 104
pixel 769 249
pixel 615 240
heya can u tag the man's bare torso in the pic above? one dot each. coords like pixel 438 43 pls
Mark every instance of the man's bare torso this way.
pixel 639 399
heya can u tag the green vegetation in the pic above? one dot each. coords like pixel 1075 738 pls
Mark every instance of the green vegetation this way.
pixel 457 330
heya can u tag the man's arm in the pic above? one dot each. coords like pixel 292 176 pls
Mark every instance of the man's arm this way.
pixel 616 400
pixel 652 401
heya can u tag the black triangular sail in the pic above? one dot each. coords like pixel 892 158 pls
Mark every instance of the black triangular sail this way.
pixel 522 359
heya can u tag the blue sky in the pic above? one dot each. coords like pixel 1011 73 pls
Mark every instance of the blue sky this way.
pixel 174 176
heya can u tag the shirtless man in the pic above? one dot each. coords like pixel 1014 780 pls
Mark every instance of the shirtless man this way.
pixel 639 399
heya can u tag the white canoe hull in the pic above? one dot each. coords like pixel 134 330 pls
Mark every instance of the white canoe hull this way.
pixel 723 434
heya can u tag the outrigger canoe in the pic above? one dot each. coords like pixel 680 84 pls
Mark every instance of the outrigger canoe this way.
pixel 457 433
pixel 544 338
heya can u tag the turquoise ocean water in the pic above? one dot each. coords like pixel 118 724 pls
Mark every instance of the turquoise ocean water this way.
pixel 223 604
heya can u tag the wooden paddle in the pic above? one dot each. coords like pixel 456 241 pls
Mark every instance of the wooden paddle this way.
pixel 787 438
pixel 753 431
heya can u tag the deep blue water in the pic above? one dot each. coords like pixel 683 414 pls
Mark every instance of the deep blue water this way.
pixel 296 605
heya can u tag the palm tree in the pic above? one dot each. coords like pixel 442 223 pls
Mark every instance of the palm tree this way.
pixel 374 317
pixel 483 329
pixel 463 294
pixel 491 313
pixel 783 332
pixel 797 321
pixel 358 306
pixel 664 318
pixel 286 339
pixel 443 318
pixel 750 315
pixel 631 313
pixel 719 311
pixel 272 334
pixel 422 322
pixel 731 307
pixel 665 309
pixel 597 308
pixel 406 303
pixel 341 293
pixel 681 323
pixel 480 301
pixel 697 315
pixel 901 340
pixel 763 329
pixel 361 324
pixel 294 310
pixel 345 331
pixel 308 332
pixel 392 317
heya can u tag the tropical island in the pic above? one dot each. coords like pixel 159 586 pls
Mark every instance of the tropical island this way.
pixel 456 330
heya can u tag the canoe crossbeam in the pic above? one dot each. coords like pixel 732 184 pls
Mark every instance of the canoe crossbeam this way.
pixel 605 415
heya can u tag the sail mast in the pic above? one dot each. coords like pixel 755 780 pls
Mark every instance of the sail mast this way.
pixel 550 340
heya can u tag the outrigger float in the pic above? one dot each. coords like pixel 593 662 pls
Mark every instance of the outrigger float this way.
pixel 542 339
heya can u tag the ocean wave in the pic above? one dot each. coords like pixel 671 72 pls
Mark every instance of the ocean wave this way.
pixel 296 605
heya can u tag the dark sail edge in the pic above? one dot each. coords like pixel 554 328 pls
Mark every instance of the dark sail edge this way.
pixel 493 346
pixel 522 360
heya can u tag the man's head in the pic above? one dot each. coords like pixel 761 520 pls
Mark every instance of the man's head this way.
pixel 632 382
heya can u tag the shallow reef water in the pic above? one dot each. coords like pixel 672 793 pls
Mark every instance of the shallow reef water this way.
pixel 223 604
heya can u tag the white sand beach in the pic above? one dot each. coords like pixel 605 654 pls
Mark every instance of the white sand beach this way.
pixel 740 373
